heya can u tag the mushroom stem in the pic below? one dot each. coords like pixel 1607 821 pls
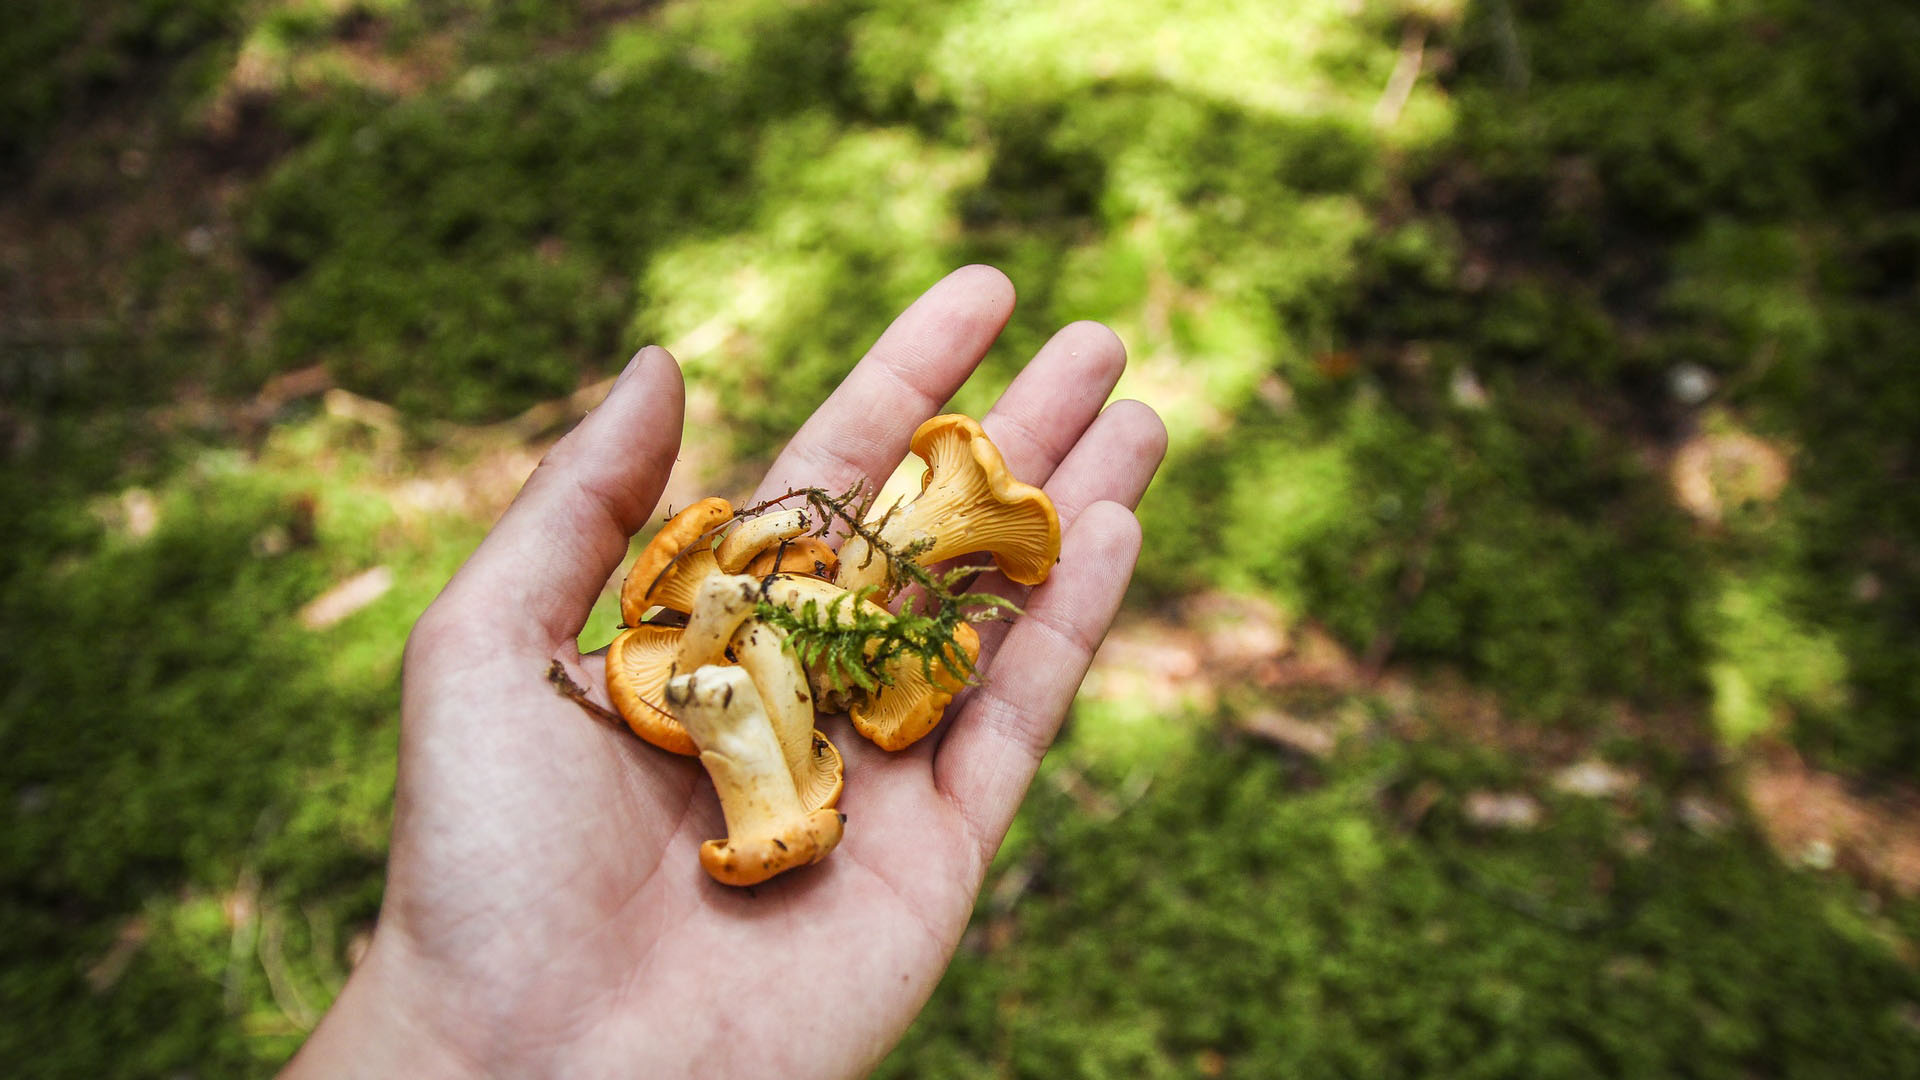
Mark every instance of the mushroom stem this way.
pixel 761 652
pixel 768 830
pixel 722 604
pixel 755 535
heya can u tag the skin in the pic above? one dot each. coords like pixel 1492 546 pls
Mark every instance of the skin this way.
pixel 545 911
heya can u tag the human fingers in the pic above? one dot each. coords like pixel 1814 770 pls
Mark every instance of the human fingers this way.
pixel 988 758
pixel 861 431
pixel 541 566
pixel 1113 461
pixel 1047 407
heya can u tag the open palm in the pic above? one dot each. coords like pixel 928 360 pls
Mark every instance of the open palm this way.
pixel 546 913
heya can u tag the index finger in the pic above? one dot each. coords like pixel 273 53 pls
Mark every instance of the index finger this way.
pixel 861 431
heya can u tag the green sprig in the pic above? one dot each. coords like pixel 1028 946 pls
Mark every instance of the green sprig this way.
pixel 847 642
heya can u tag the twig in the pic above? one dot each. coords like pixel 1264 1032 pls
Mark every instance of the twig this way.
pixel 558 678
pixel 1406 72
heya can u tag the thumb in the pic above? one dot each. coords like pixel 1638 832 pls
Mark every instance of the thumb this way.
pixel 545 560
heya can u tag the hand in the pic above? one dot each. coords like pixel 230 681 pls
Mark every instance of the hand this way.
pixel 546 913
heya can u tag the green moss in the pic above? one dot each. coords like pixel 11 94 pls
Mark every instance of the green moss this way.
pixel 1419 373
pixel 173 733
pixel 1297 929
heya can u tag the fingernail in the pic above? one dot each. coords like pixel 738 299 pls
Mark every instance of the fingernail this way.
pixel 633 365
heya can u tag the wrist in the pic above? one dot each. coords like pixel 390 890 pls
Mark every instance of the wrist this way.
pixel 376 1028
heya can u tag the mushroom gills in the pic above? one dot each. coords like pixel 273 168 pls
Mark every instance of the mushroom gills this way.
pixel 639 662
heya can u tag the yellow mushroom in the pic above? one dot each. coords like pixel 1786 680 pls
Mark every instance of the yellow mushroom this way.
pixel 720 630
pixel 769 830
pixel 968 503
pixel 673 564
pixel 818 770
pixel 807 555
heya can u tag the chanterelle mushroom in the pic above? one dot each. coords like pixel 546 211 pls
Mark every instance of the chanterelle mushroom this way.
pixel 897 716
pixel 807 555
pixel 768 830
pixel 722 623
pixel 968 503
pixel 672 565
pixel 639 663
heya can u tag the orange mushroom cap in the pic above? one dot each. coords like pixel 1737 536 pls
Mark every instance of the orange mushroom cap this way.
pixel 752 860
pixel 672 565
pixel 808 555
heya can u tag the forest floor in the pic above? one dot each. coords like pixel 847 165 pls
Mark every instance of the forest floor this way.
pixel 1519 676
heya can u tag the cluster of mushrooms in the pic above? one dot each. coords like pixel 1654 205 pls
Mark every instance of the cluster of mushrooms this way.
pixel 701 671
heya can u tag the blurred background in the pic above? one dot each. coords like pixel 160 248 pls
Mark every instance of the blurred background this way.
pixel 1520 675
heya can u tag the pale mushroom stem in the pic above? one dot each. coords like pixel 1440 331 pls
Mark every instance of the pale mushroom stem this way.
pixel 755 535
pixel 722 604
pixel 761 651
pixel 768 830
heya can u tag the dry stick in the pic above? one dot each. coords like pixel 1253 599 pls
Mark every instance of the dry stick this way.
pixel 1406 72
pixel 562 682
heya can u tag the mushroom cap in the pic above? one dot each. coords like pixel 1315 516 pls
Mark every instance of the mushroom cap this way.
pixel 1025 540
pixel 672 565
pixel 750 861
pixel 898 715
pixel 808 555
pixel 639 663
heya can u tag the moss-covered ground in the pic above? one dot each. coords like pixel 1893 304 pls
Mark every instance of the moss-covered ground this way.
pixel 1541 374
